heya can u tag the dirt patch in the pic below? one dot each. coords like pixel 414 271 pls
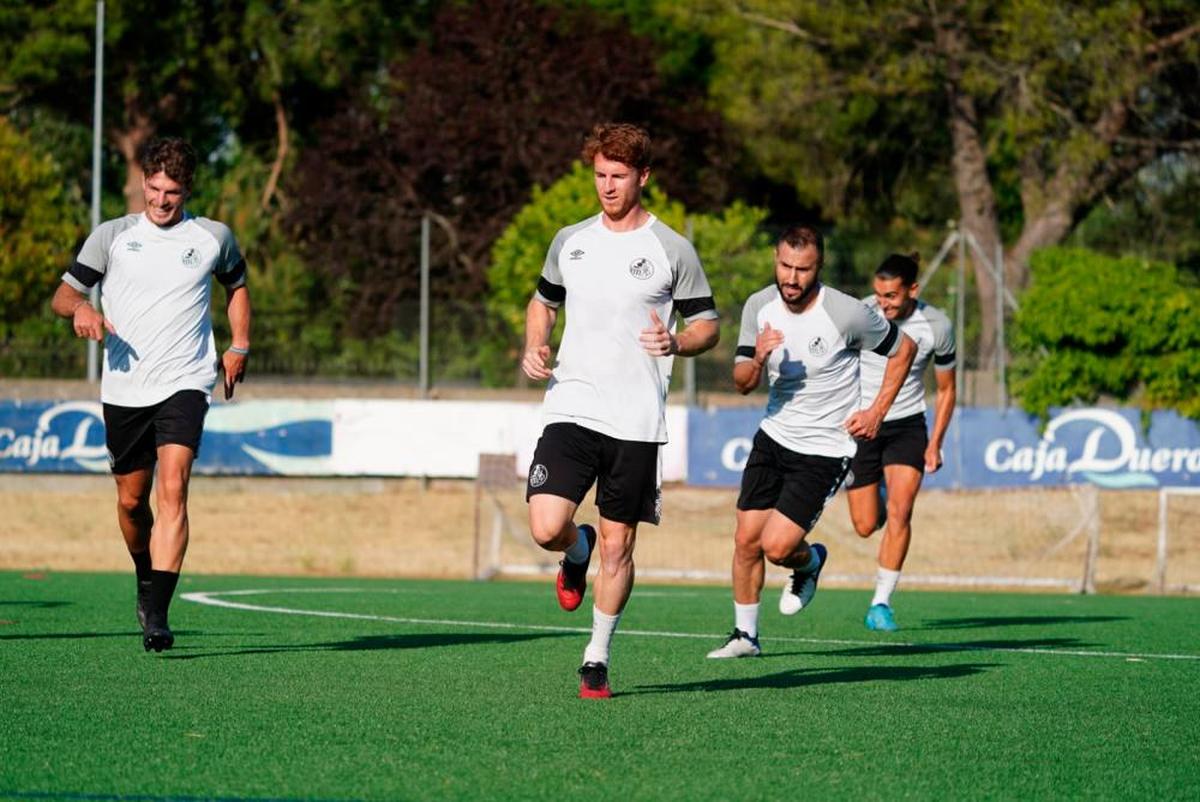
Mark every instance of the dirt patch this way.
pixel 410 528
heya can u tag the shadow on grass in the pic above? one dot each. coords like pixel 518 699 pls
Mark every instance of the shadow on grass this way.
pixel 41 605
pixel 803 677
pixel 132 633
pixel 366 643
pixel 979 622
pixel 997 645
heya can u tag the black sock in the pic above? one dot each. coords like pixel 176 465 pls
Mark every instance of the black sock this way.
pixel 162 588
pixel 141 564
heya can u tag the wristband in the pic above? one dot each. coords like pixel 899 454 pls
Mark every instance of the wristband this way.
pixel 238 350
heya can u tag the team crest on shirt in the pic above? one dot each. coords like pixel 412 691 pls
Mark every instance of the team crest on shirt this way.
pixel 191 258
pixel 641 268
pixel 818 347
pixel 538 475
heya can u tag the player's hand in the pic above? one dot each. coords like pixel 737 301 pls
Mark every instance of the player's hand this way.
pixel 864 424
pixel 91 324
pixel 767 341
pixel 933 458
pixel 234 367
pixel 655 338
pixel 536 363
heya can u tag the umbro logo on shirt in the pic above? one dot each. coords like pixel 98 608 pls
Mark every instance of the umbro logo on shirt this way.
pixel 576 255
pixel 133 246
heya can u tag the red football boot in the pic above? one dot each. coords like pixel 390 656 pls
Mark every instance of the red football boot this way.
pixel 572 578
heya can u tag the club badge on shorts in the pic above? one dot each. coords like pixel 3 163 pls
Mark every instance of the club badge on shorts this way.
pixel 538 475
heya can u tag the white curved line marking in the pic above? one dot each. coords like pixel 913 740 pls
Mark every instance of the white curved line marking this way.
pixel 210 598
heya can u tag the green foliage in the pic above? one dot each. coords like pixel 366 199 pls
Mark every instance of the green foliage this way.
pixel 736 254
pixel 40 223
pixel 1092 325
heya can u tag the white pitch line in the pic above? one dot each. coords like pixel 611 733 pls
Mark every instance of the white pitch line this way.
pixel 210 598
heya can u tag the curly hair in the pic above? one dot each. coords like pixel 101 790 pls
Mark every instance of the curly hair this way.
pixel 620 142
pixel 170 155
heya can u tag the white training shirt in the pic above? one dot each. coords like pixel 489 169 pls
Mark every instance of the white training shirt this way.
pixel 813 375
pixel 933 333
pixel 607 282
pixel 156 289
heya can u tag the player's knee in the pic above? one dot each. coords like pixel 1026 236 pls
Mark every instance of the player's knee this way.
pixel 864 527
pixel 549 534
pixel 132 504
pixel 900 511
pixel 172 494
pixel 777 551
pixel 748 546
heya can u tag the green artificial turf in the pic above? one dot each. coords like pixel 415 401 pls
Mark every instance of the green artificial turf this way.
pixel 455 690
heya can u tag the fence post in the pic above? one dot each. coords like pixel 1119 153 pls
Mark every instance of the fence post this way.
pixel 689 365
pixel 1093 543
pixel 960 314
pixel 93 346
pixel 423 381
pixel 1001 344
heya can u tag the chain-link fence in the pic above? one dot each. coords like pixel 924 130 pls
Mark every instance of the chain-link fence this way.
pixel 467 345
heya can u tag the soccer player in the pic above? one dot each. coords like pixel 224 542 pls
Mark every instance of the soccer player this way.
pixel 902 452
pixel 618 276
pixel 807 338
pixel 155 273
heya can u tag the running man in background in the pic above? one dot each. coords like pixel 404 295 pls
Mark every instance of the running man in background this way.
pixel 901 453
pixel 807 338
pixel 618 276
pixel 155 272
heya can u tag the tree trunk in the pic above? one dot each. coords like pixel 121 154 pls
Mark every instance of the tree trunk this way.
pixel 128 141
pixel 976 201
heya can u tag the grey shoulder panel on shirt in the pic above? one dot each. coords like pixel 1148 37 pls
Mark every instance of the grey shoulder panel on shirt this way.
pixel 943 333
pixel 230 254
pixel 748 330
pixel 689 286
pixel 95 250
pixel 550 269
pixel 846 311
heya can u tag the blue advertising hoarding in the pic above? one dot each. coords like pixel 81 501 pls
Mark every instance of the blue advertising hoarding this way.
pixel 1110 448
pixel 272 437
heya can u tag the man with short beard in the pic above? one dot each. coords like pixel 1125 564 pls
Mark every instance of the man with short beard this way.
pixel 618 276
pixel 807 338
pixel 155 272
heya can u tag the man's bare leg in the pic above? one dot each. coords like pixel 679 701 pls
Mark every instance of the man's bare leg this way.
pixel 749 571
pixel 136 520
pixel 168 541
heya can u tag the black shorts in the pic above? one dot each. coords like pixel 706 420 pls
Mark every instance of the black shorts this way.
pixel 899 442
pixel 569 458
pixel 133 434
pixel 798 485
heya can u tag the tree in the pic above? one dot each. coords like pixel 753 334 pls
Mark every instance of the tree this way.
pixel 41 221
pixel 497 101
pixel 736 254
pixel 1031 111
pixel 1092 326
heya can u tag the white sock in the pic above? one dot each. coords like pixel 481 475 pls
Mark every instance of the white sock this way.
pixel 745 618
pixel 885 583
pixel 603 627
pixel 578 551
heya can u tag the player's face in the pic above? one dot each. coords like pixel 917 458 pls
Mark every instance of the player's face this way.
pixel 796 272
pixel 896 301
pixel 619 186
pixel 164 199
